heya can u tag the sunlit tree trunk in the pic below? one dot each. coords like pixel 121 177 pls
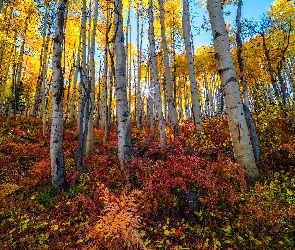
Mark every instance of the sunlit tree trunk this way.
pixel 127 48
pixel 234 107
pixel 74 94
pixel 125 149
pixel 4 80
pixel 84 105
pixel 187 102
pixel 186 26
pixel 89 143
pixel 83 66
pixel 139 55
pixel 150 117
pixel 170 97
pixel 250 122
pixel 158 99
pixel 38 94
pixel 44 74
pixel 104 87
pixel 58 173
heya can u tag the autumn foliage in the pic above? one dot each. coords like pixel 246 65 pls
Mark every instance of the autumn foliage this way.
pixel 145 207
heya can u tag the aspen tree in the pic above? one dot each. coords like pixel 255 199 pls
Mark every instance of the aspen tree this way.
pixel 233 104
pixel 104 87
pixel 189 58
pixel 89 142
pixel 250 122
pixel 168 78
pixel 158 99
pixel 125 149
pixel 73 100
pixel 138 107
pixel 43 57
pixel 58 173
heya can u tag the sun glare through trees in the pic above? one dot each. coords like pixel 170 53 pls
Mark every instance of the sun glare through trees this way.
pixel 119 129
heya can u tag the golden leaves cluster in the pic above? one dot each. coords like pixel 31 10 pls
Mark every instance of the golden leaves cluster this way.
pixel 118 223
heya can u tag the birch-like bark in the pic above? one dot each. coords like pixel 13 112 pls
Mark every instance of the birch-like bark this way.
pixel 234 107
pixel 58 173
pixel 44 74
pixel 170 99
pixel 83 70
pixel 250 122
pixel 125 149
pixel 138 112
pixel 89 142
pixel 158 99
pixel 104 87
pixel 186 26
pixel 73 100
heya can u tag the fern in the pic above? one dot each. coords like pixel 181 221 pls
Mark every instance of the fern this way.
pixel 118 224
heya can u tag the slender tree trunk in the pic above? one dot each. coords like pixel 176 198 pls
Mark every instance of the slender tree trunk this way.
pixel 138 112
pixel 158 99
pixel 234 107
pixel 127 47
pixel 83 71
pixel 250 122
pixel 150 102
pixel 44 74
pixel 170 98
pixel 38 95
pixel 4 81
pixel 58 173
pixel 89 143
pixel 189 58
pixel 125 149
pixel 270 69
pixel 103 101
pixel 74 94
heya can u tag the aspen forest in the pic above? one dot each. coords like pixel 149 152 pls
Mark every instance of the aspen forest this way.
pixel 121 130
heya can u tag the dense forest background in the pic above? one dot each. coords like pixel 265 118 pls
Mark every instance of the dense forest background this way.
pixel 107 143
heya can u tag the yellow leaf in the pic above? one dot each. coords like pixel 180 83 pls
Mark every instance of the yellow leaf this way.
pixel 166 232
pixel 7 189
pixel 54 227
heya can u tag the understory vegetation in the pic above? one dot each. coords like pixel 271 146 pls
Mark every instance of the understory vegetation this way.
pixel 192 197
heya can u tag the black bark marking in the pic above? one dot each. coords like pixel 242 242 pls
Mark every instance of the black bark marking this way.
pixel 232 79
pixel 217 56
pixel 216 35
pixel 221 71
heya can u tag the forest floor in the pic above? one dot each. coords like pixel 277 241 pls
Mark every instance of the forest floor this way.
pixel 193 196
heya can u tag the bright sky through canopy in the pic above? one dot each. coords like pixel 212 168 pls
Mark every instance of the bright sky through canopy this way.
pixel 250 9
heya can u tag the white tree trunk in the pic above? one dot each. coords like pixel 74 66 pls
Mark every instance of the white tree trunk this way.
pixel 73 100
pixel 138 112
pixel 104 87
pixel 58 174
pixel 233 104
pixel 89 142
pixel 170 99
pixel 158 99
pixel 125 149
pixel 186 26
